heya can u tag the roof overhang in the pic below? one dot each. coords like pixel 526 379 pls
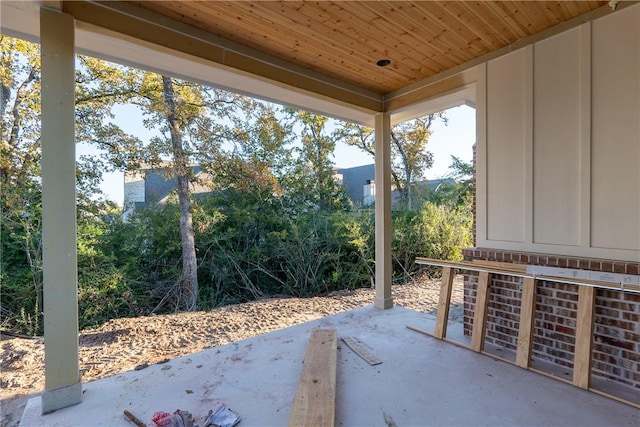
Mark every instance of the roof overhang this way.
pixel 126 33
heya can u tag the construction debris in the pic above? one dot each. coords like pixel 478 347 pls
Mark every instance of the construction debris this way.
pixel 388 420
pixel 220 416
pixel 361 350
pixel 177 419
pixel 134 419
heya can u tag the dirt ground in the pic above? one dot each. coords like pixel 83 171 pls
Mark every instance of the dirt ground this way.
pixel 121 345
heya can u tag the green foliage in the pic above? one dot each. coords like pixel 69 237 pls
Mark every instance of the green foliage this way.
pixel 106 294
pixel 410 157
pixel 256 247
pixel 275 223
pixel 29 323
pixel 459 193
pixel 431 231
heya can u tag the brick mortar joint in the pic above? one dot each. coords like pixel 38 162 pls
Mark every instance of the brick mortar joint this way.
pixel 535 258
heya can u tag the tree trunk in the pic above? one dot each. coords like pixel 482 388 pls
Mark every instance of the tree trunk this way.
pixel 189 261
pixel 404 190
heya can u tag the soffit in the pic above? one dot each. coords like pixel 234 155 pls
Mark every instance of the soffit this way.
pixel 321 55
pixel 345 39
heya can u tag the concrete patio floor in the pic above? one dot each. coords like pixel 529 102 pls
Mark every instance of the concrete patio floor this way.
pixel 421 382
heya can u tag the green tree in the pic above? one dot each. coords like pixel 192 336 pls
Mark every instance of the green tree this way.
pixel 312 179
pixel 20 182
pixel 459 193
pixel 410 157
pixel 194 123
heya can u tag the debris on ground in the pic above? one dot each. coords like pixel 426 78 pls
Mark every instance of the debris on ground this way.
pixel 220 416
pixel 388 420
pixel 177 419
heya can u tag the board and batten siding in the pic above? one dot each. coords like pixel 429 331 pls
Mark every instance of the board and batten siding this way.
pixel 559 143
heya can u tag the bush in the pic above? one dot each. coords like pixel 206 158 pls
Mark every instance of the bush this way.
pixel 256 247
pixel 432 231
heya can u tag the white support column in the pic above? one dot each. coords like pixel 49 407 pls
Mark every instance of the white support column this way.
pixel 383 298
pixel 62 379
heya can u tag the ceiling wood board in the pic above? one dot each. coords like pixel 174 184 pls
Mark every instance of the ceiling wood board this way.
pixel 344 39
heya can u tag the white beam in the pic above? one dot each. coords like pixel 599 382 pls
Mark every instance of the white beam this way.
pixel 62 380
pixel 383 298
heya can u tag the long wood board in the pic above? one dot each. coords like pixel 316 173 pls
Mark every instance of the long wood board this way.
pixel 315 400
pixel 442 316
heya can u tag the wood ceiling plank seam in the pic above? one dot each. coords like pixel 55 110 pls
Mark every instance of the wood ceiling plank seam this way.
pixel 444 37
pixel 248 22
pixel 463 17
pixel 361 40
pixel 486 32
pixel 496 24
pixel 328 43
pixel 227 24
pixel 555 16
pixel 382 49
pixel 415 36
pixel 454 24
pixel 435 39
pixel 256 26
pixel 343 31
pixel 575 8
pixel 511 26
pixel 411 74
pixel 567 8
pixel 522 17
pixel 386 30
pixel 438 17
pixel 530 16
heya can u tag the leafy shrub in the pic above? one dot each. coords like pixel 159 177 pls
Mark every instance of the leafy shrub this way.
pixel 432 231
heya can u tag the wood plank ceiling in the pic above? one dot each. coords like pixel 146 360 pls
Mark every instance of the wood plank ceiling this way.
pixel 345 39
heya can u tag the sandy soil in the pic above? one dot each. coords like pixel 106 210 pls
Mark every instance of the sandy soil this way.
pixel 121 345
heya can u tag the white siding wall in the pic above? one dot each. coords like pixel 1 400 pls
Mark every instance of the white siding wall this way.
pixel 616 132
pixel 559 143
pixel 506 130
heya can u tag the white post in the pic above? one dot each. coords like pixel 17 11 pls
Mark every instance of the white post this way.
pixel 62 379
pixel 383 298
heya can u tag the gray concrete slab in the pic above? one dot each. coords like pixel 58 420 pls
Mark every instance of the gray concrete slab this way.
pixel 421 382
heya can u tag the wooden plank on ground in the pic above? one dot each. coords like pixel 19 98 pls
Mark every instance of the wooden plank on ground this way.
pixel 584 337
pixel 480 311
pixel 442 317
pixel 361 350
pixel 525 331
pixel 315 400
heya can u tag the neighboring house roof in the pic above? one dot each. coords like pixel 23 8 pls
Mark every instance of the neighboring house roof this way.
pixel 149 185
pixel 356 178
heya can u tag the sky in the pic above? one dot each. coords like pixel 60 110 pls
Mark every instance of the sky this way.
pixel 457 139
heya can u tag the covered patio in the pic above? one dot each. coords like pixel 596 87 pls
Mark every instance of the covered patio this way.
pixel 421 381
pixel 555 86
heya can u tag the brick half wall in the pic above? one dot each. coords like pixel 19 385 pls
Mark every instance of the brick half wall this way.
pixel 616 347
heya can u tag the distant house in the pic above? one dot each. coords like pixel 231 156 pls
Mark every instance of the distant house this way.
pixel 150 186
pixel 359 183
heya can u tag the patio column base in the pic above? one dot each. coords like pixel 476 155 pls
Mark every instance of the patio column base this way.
pixel 61 397
pixel 383 303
